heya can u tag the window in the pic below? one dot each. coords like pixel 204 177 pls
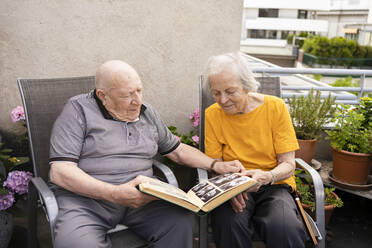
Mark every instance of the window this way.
pixel 302 14
pixel 271 34
pixel 256 34
pixel 268 12
pixel 284 34
pixel 262 34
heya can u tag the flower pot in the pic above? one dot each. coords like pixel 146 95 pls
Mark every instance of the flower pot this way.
pixel 350 167
pixel 328 210
pixel 6 228
pixel 307 150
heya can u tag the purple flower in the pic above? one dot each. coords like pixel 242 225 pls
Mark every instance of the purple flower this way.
pixel 6 201
pixel 195 138
pixel 17 181
pixel 17 114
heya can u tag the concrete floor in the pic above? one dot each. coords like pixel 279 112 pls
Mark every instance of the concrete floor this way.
pixel 350 226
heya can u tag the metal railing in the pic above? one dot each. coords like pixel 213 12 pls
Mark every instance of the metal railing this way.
pixel 315 61
pixel 343 95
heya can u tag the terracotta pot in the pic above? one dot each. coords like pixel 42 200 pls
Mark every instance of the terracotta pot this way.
pixel 307 150
pixel 328 210
pixel 350 167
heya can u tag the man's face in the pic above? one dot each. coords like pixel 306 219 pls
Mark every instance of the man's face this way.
pixel 124 99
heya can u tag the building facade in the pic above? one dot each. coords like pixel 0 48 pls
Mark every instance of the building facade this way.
pixel 270 22
pixel 267 23
pixel 350 19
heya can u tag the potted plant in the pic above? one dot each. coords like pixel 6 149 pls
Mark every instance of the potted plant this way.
pixel 351 141
pixel 309 115
pixel 13 187
pixel 306 194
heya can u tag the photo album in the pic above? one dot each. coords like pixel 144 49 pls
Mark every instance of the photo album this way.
pixel 204 196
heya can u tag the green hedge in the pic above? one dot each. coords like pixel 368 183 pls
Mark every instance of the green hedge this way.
pixel 337 47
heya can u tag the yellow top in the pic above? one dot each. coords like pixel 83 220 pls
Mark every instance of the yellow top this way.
pixel 254 138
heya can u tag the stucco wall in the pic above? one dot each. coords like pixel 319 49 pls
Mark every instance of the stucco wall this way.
pixel 167 41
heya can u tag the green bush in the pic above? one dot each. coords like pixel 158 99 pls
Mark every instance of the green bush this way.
pixel 298 43
pixel 346 82
pixel 336 47
pixel 309 114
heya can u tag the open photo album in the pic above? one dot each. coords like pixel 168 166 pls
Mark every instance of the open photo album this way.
pixel 203 197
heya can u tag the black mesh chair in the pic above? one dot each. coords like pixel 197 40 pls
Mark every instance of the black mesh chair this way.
pixel 43 100
pixel 269 86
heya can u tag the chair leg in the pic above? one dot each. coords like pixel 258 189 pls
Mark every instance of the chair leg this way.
pixel 32 217
pixel 203 231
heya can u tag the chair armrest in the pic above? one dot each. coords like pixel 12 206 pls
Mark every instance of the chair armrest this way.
pixel 202 175
pixel 319 195
pixel 38 189
pixel 168 173
pixel 49 201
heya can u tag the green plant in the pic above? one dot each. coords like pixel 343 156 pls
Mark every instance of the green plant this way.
pixel 351 131
pixel 13 181
pixel 191 138
pixel 305 190
pixel 310 114
pixel 365 108
pixel 317 77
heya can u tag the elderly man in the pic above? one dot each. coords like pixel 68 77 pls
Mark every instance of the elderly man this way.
pixel 100 143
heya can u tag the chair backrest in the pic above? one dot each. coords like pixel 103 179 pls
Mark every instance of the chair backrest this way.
pixel 269 86
pixel 43 101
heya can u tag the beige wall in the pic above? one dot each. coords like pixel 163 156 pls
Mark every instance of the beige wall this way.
pixel 167 41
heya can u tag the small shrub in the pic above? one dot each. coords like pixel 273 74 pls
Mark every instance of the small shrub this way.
pixel 309 114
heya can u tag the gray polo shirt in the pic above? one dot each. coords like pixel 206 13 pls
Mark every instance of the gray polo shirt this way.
pixel 107 149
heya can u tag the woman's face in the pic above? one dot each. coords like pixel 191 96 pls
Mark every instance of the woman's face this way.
pixel 228 92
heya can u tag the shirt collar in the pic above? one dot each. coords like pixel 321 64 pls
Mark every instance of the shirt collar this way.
pixel 104 111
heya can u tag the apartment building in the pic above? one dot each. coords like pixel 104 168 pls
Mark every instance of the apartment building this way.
pixel 349 18
pixel 274 20
pixel 267 23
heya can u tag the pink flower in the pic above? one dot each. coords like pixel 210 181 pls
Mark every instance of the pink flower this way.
pixel 195 123
pixel 17 114
pixel 195 138
pixel 178 138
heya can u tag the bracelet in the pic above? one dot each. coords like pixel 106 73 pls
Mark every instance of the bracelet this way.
pixel 272 178
pixel 211 168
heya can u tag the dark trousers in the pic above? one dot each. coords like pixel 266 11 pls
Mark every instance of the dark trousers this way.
pixel 271 212
pixel 83 222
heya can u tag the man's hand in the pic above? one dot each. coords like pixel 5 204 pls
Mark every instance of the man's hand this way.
pixel 238 202
pixel 221 167
pixel 128 195
pixel 262 177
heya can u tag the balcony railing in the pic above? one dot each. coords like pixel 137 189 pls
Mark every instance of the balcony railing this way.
pixel 342 96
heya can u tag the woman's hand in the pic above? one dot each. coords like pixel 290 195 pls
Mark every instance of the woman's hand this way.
pixel 262 177
pixel 238 202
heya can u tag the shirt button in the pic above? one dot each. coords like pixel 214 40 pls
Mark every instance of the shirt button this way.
pixel 130 134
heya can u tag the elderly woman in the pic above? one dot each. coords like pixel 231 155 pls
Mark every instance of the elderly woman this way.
pixel 255 129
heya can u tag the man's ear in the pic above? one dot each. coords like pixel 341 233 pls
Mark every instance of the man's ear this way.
pixel 101 95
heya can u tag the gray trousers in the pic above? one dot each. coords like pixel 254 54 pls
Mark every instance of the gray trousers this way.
pixel 271 212
pixel 83 222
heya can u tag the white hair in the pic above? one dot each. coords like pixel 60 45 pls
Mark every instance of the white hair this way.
pixel 239 66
